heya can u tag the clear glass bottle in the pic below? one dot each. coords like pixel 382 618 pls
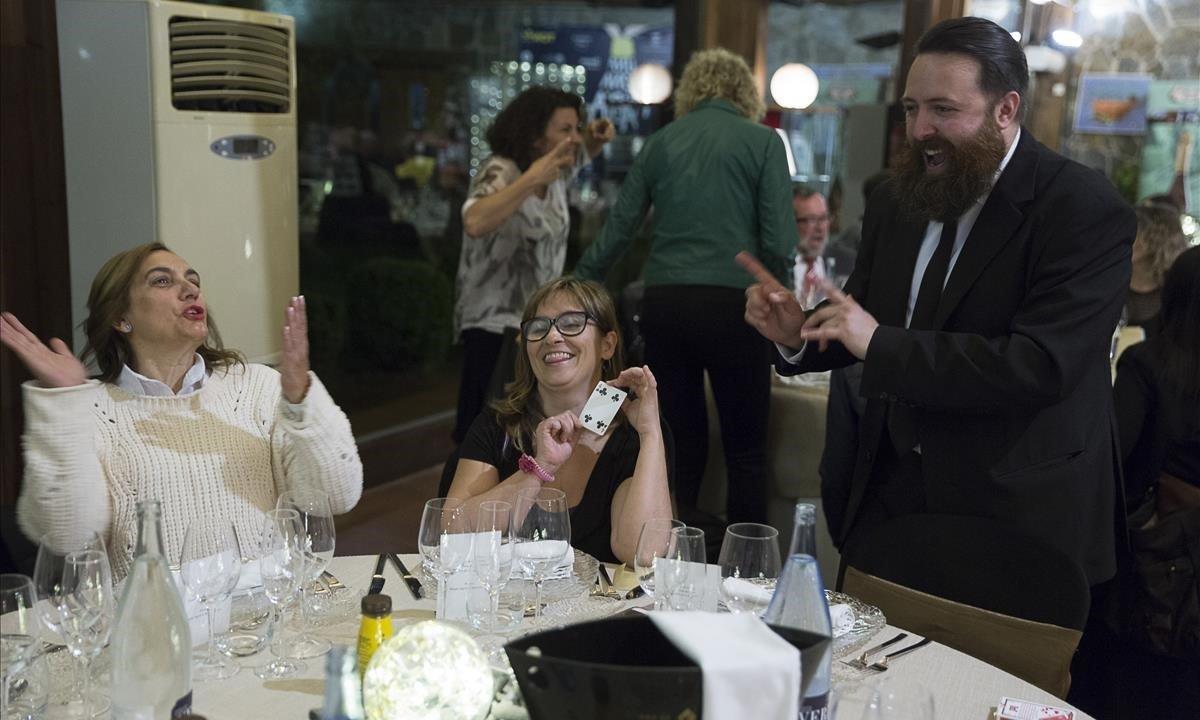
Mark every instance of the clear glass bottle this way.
pixel 799 604
pixel 151 642
pixel 343 690
pixel 804 531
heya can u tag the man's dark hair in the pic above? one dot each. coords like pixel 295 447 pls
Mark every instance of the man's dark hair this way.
pixel 1002 66
pixel 523 122
pixel 803 191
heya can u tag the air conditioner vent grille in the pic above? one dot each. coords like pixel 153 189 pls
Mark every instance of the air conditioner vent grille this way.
pixel 229 66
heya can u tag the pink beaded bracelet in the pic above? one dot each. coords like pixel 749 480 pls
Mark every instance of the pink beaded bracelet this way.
pixel 529 465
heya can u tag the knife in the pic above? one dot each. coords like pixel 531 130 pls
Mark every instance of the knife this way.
pixel 377 578
pixel 414 585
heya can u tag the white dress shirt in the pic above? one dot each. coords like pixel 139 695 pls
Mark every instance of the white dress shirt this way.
pixel 135 383
pixel 799 270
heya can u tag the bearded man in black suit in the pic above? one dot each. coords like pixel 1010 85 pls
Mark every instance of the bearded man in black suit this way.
pixel 990 277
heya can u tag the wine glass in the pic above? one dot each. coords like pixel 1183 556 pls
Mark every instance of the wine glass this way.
pixel 18 633
pixel 683 570
pixel 491 548
pixel 442 537
pixel 320 537
pixel 210 566
pixel 48 584
pixel 654 541
pixel 281 564
pixel 749 564
pixel 542 535
pixel 86 609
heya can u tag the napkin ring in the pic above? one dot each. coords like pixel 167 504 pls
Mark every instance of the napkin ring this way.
pixel 529 465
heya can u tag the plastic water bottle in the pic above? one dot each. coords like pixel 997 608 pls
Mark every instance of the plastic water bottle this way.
pixel 151 642
pixel 799 604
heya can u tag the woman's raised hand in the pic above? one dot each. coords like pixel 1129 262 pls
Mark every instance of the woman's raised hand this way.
pixel 293 368
pixel 53 366
pixel 555 438
pixel 641 407
pixel 550 166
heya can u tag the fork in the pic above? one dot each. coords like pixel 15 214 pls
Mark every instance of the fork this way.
pixel 882 663
pixel 861 660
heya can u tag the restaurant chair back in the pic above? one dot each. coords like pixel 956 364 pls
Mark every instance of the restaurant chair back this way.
pixel 1038 653
pixel 976 585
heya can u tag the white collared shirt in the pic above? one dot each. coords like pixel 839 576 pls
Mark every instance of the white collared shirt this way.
pixel 799 270
pixel 135 383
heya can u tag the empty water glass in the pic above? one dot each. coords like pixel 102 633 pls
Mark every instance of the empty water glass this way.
pixel 749 565
pixel 654 542
pixel 210 566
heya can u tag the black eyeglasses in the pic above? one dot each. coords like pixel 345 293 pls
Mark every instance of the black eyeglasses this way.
pixel 569 324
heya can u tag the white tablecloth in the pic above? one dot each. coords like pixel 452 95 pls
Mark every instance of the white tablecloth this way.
pixel 964 688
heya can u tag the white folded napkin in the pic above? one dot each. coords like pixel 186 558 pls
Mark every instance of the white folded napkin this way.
pixel 538 549
pixel 739 588
pixel 841 617
pixel 749 671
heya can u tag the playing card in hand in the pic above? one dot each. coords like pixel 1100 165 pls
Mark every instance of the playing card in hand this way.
pixel 602 407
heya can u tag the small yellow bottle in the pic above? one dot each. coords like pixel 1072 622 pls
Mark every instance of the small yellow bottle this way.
pixel 376 627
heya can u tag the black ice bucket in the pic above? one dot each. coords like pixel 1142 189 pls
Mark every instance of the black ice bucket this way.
pixel 614 668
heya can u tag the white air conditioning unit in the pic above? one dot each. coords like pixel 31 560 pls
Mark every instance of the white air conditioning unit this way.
pixel 179 126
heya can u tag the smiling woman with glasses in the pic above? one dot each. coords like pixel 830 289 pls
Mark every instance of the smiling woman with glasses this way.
pixel 614 482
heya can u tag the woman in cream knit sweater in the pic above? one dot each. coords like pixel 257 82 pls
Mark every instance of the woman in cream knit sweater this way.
pixel 172 417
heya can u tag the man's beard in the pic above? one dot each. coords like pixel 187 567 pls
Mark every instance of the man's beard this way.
pixel 968 170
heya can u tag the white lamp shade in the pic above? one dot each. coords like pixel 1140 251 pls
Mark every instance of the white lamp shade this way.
pixel 794 86
pixel 650 84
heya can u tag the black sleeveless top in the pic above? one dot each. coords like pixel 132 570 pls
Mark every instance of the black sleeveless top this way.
pixel 591 519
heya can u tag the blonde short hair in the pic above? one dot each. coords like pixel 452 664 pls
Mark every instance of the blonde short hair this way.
pixel 718 73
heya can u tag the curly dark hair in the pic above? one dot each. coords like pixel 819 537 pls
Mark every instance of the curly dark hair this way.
pixel 524 120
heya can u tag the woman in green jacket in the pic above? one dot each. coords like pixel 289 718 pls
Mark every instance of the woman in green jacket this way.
pixel 719 184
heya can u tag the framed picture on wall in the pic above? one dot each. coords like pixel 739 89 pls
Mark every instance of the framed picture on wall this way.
pixel 1112 104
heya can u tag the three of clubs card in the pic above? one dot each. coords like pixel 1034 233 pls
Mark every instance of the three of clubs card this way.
pixel 602 407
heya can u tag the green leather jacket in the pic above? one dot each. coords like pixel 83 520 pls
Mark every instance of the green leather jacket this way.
pixel 719 184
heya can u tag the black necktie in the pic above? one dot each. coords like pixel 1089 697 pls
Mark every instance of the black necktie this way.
pixel 901 426
pixel 932 281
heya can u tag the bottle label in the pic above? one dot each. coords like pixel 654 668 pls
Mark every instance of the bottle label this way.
pixel 183 706
pixel 815 707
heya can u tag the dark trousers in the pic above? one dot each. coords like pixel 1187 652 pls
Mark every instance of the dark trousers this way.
pixel 690 329
pixel 487 365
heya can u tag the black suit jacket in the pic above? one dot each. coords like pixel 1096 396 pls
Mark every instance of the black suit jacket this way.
pixel 1011 392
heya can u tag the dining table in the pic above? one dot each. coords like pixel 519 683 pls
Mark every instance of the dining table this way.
pixel 963 688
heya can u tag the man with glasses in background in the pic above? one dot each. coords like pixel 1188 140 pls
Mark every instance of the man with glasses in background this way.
pixel 812 231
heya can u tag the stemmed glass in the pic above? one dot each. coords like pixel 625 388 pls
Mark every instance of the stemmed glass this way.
pixel 491 548
pixel 281 564
pixel 749 566
pixel 86 609
pixel 53 610
pixel 442 537
pixel 654 541
pixel 541 535
pixel 893 700
pixel 682 571
pixel 18 633
pixel 210 566
pixel 320 536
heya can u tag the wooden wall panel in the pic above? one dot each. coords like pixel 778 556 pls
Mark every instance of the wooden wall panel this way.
pixel 34 272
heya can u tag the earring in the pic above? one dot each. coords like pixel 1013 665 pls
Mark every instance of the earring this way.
pixel 126 326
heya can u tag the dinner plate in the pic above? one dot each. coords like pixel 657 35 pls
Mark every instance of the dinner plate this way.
pixel 868 620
